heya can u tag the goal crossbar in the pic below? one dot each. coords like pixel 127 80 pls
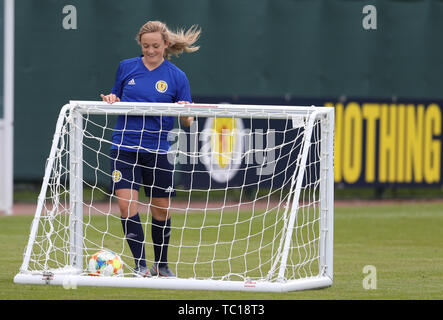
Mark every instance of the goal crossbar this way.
pixel 194 109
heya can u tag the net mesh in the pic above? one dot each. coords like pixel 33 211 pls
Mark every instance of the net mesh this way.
pixel 236 188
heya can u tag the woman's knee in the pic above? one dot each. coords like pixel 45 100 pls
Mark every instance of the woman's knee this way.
pixel 160 208
pixel 128 202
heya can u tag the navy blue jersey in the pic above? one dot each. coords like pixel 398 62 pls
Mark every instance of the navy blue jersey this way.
pixel 135 83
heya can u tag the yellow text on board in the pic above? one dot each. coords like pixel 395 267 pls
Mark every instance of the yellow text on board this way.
pixel 387 142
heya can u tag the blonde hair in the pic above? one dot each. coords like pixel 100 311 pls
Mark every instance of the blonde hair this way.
pixel 179 41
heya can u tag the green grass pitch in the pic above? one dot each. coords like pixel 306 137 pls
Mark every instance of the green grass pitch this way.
pixel 402 241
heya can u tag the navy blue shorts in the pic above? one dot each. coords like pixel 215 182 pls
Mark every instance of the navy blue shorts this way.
pixel 130 170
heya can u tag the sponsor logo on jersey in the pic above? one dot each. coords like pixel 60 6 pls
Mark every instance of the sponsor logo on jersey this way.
pixel 131 82
pixel 161 86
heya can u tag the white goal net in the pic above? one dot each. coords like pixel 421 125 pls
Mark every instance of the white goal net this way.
pixel 253 204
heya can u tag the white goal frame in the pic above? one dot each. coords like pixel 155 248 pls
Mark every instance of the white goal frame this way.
pixel 71 274
pixel 7 122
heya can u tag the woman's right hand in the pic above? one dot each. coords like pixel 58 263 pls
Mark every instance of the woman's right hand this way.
pixel 110 98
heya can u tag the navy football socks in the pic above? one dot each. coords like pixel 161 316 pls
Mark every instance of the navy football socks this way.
pixel 135 237
pixel 161 231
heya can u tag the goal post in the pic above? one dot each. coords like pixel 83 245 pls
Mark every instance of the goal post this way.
pixel 7 109
pixel 253 209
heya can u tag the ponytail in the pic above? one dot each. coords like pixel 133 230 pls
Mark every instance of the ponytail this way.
pixel 179 41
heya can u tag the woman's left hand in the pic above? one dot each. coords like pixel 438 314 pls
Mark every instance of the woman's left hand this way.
pixel 186 121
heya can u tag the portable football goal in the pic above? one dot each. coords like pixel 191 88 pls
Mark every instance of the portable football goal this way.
pixel 254 207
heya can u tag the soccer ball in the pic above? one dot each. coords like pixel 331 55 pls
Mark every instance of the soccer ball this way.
pixel 105 263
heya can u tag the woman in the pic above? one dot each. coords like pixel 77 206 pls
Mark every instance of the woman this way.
pixel 140 144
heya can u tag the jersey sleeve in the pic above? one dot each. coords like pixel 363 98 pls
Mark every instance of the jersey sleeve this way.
pixel 118 84
pixel 183 89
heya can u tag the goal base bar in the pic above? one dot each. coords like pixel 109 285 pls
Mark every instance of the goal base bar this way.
pixel 72 281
